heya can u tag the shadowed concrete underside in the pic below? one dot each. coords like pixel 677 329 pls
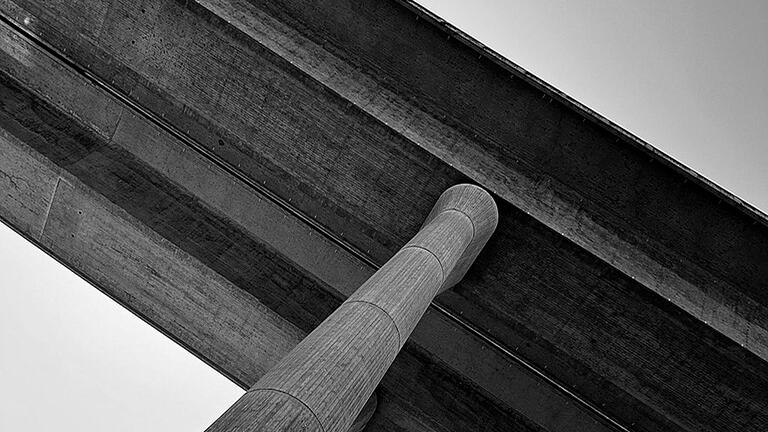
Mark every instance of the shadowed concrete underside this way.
pixel 232 171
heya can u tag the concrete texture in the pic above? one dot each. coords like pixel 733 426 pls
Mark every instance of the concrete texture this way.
pixel 335 369
pixel 84 252
pixel 634 285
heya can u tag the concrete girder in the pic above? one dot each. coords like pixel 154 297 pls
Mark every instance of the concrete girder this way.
pixel 624 345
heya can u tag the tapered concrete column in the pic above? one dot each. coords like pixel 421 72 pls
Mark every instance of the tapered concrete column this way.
pixel 325 381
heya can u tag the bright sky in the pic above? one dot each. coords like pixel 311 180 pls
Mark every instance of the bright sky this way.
pixel 71 359
pixel 687 76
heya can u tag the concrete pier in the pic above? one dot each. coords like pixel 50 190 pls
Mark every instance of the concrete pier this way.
pixel 323 383
pixel 232 171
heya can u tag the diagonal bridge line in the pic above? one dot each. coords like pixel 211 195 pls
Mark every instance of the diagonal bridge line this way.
pixel 232 170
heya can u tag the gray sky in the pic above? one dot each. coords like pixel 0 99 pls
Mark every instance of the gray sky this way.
pixel 71 359
pixel 690 77
pixel 687 76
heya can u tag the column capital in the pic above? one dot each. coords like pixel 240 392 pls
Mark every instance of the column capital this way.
pixel 480 208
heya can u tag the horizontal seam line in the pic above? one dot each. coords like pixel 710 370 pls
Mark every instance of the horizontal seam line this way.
pixel 442 270
pixel 354 251
pixel 471 222
pixel 293 397
pixel 397 330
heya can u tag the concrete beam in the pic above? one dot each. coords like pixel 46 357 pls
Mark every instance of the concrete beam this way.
pixel 165 285
pixel 160 283
pixel 323 383
pixel 666 247
pixel 509 151
pixel 591 276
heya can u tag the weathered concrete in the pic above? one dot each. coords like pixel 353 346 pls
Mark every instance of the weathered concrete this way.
pixel 671 273
pixel 334 370
pixel 27 183
pixel 328 120
pixel 144 272
pixel 567 200
pixel 113 173
pixel 156 282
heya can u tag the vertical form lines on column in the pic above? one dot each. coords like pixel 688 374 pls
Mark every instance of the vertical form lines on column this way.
pixel 333 371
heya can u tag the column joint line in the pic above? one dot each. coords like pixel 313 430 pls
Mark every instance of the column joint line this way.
pixel 322 428
pixel 397 330
pixel 442 269
pixel 471 222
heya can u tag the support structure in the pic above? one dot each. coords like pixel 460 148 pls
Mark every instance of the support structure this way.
pixel 323 383
pixel 232 170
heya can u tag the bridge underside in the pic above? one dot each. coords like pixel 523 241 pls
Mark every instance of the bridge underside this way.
pixel 231 171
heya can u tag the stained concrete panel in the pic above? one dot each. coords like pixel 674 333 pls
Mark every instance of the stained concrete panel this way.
pixel 591 318
pixel 27 183
pixel 161 283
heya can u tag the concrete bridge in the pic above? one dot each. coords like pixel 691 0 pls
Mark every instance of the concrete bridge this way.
pixel 231 171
